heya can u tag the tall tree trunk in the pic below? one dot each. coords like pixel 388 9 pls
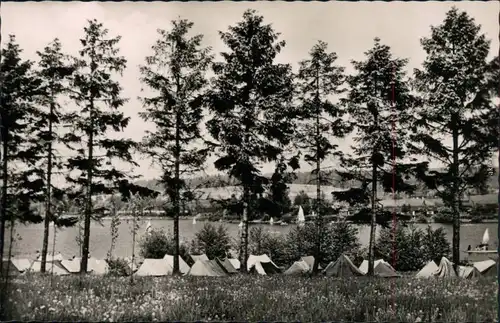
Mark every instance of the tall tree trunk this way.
pixel 373 220
pixel 317 258
pixel 3 208
pixel 456 197
pixel 88 199
pixel 177 193
pixel 244 231
pixel 45 245
pixel 134 229
pixel 498 170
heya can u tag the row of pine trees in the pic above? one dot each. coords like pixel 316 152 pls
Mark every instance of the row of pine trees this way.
pixel 254 111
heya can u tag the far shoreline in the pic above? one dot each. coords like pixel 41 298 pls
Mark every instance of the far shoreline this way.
pixel 203 219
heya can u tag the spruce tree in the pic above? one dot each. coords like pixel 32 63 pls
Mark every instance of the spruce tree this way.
pixel 54 72
pixel 380 108
pixel 21 181
pixel 176 74
pixel 251 105
pixel 458 123
pixel 98 98
pixel 321 120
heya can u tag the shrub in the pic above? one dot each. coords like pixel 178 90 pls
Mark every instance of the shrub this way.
pixel 274 245
pixel 118 267
pixel 211 240
pixel 414 247
pixel 435 245
pixel 407 245
pixel 443 216
pixel 336 239
pixel 158 243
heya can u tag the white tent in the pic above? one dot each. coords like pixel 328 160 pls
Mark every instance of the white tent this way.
pixel 57 269
pixel 97 266
pixel 309 260
pixel 364 265
pixel 207 268
pixel 235 262
pixel 483 266
pixel 72 265
pixel 21 264
pixel 154 267
pixel 428 270
pixel 94 265
pixel 183 266
pixel 262 264
pixel 199 257
pixel 342 267
pixel 381 268
pixel 468 272
pixel 445 268
pixel 298 268
pixel 58 257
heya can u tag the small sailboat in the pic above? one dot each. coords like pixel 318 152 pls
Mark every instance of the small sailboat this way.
pixel 240 226
pixel 301 219
pixel 486 237
pixel 148 227
pixel 194 220
pixel 271 222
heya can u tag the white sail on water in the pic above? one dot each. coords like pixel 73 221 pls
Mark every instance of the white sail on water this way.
pixel 301 219
pixel 148 227
pixel 194 220
pixel 271 222
pixel 486 237
pixel 240 225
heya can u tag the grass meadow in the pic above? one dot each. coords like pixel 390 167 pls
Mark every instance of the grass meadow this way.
pixel 250 298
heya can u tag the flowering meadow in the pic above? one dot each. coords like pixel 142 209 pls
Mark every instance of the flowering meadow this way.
pixel 250 298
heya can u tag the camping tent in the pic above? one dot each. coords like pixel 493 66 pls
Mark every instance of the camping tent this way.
pixel 468 272
pixel 486 267
pixel 58 257
pixel 262 264
pixel 381 268
pixel 97 266
pixel 12 269
pixel 227 266
pixel 154 267
pixel 73 265
pixel 428 270
pixel 94 265
pixel 206 268
pixel 21 264
pixel 298 268
pixel 183 267
pixel 58 268
pixel 235 262
pixel 199 257
pixel 309 260
pixel 342 267
pixel 445 269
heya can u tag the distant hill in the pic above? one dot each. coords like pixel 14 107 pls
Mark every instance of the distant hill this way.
pixel 304 180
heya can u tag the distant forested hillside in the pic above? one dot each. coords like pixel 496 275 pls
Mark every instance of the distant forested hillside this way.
pixel 301 178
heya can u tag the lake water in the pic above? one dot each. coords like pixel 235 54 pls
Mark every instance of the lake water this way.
pixel 31 236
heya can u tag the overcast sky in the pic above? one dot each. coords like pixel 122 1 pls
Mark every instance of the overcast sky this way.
pixel 348 28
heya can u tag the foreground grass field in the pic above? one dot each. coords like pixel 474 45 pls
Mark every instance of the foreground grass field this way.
pixel 252 298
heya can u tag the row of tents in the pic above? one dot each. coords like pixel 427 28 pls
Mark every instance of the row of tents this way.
pixel 258 264
pixel 445 268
